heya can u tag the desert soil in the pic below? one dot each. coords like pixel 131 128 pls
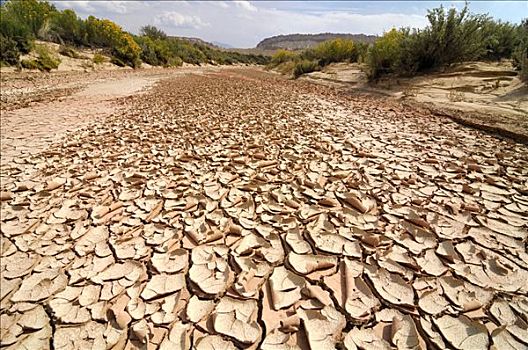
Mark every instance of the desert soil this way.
pixel 485 95
pixel 232 208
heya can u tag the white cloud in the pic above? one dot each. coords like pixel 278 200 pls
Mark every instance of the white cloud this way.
pixel 120 7
pixel 91 7
pixel 78 6
pixel 178 20
pixel 245 5
pixel 222 4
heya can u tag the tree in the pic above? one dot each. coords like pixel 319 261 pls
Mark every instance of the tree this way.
pixel 152 32
pixel 32 13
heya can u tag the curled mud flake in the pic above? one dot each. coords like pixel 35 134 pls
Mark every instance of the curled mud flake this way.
pixel 68 311
pixel 213 342
pixel 133 248
pixel 178 337
pixel 447 251
pixel 168 307
pixel 503 313
pixel 504 228
pixel 127 273
pixel 465 295
pixel 503 340
pixel 462 332
pixel 277 340
pixel 432 335
pixel 431 264
pixel 55 183
pixel 519 331
pixel 296 242
pixel 160 285
pixel 141 331
pixel 198 309
pixel 40 286
pixel 248 284
pixel 391 287
pixel 308 263
pixel 15 228
pixel 237 319
pixel 405 335
pixel 89 295
pixel 285 287
pixel 10 330
pixel 18 264
pixel 432 301
pixel 119 314
pixel 170 262
pixel 323 327
pixel 360 302
pixel 34 319
pixel 365 338
pixel 6 196
pixel 129 195
pixel 327 239
pixel 88 242
pixel 209 270
pixel 363 205
pixel 36 340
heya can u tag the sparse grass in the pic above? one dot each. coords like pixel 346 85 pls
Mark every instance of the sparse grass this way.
pixel 118 62
pixel 69 51
pixel 98 58
pixel 305 66
pixel 46 59
pixel 30 64
pixel 456 96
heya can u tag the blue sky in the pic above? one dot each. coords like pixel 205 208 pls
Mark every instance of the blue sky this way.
pixel 245 23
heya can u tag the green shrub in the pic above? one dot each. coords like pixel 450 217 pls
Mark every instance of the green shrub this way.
pixel 281 56
pixel 501 39
pixel 117 61
pixel 30 64
pixel 305 66
pixel 520 53
pixel 69 52
pixel 451 37
pixel 154 51
pixel 362 51
pixel 98 58
pixel 46 60
pixel 67 27
pixel 175 62
pixel 16 31
pixel 9 54
pixel 337 50
pixel 127 50
pixel 384 55
pixel 152 32
pixel 33 14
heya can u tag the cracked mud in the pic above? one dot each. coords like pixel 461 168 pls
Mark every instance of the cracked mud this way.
pixel 236 209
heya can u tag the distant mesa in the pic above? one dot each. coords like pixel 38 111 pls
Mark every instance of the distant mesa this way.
pixel 305 41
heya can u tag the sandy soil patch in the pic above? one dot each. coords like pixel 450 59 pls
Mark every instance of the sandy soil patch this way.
pixel 489 96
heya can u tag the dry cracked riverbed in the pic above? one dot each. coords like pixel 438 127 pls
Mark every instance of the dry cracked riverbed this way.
pixel 236 209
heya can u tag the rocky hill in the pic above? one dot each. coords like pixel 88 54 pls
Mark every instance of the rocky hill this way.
pixel 304 41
